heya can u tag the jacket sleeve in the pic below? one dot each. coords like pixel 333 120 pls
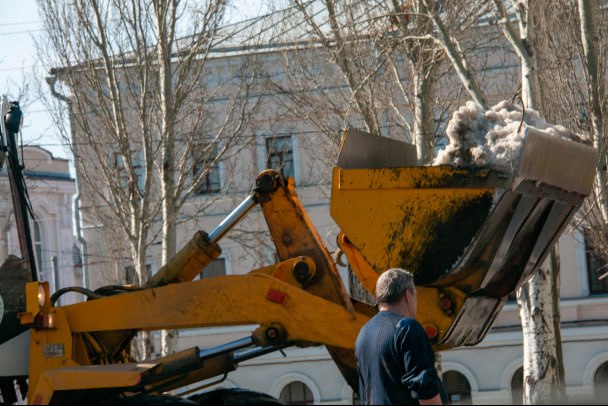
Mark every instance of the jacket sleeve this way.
pixel 420 376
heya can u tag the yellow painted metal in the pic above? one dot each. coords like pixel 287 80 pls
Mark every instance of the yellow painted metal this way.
pixel 228 300
pixel 294 235
pixel 188 262
pixel 284 270
pixel 429 311
pixel 364 272
pixel 404 210
pixel 87 377
pixel 50 349
pixel 221 301
pixel 34 293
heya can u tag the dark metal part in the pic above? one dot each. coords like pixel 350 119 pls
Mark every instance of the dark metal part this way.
pixel 245 355
pixel 266 182
pixel 512 243
pixel 301 271
pixel 225 348
pixel 473 321
pixel 21 205
pixel 272 333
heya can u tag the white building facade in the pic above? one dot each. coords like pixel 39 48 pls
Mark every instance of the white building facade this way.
pixel 51 190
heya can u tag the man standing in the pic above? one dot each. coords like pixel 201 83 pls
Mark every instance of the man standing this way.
pixel 395 361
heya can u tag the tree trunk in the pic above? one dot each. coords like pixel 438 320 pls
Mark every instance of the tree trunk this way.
pixel 422 115
pixel 538 300
pixel 168 341
pixel 165 15
pixel 458 61
pixel 143 346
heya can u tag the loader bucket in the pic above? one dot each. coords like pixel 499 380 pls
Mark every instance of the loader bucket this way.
pixel 471 235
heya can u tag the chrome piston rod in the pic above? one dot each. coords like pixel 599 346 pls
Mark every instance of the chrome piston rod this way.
pixel 234 217
pixel 233 347
pixel 225 348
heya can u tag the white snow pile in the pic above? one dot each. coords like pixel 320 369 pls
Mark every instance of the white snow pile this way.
pixel 493 138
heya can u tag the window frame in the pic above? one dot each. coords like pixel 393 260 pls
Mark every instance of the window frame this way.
pixel 284 155
pixel 305 389
pixel 215 170
pixel 262 150
pixel 594 263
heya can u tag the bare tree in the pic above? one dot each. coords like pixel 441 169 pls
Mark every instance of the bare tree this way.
pixel 349 43
pixel 538 298
pixel 347 69
pixel 593 108
pixel 148 127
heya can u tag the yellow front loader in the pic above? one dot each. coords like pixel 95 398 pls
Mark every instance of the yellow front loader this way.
pixel 470 236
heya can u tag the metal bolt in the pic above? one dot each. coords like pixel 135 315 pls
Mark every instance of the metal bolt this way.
pixel 266 183
pixel 301 271
pixel 272 333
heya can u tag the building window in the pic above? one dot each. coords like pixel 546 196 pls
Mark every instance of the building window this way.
pixel 596 267
pixel 216 268
pixel 296 393
pixel 600 382
pixel 137 159
pixel 38 249
pixel 210 172
pixel 458 388
pixel 517 387
pixel 279 155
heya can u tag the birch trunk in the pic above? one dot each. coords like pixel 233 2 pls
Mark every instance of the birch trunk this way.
pixel 459 63
pixel 538 298
pixel 538 302
pixel 422 115
pixel 166 19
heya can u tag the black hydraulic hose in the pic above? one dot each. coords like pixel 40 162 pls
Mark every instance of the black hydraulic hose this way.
pixel 88 293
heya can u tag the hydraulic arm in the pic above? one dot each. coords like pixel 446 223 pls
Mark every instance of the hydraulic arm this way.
pixel 83 348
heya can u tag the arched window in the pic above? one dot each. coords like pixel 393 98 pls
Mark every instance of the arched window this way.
pixel 517 387
pixel 600 382
pixel 38 249
pixel 296 393
pixel 458 388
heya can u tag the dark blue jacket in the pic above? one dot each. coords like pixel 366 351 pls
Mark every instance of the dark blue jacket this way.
pixel 395 361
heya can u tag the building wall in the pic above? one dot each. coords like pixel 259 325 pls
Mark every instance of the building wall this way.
pixel 51 189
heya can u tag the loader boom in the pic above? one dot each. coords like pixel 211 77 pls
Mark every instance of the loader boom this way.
pixel 297 301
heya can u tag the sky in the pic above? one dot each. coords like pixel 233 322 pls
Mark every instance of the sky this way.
pixel 19 22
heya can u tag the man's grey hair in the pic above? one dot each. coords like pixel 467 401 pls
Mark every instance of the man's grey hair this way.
pixel 392 283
